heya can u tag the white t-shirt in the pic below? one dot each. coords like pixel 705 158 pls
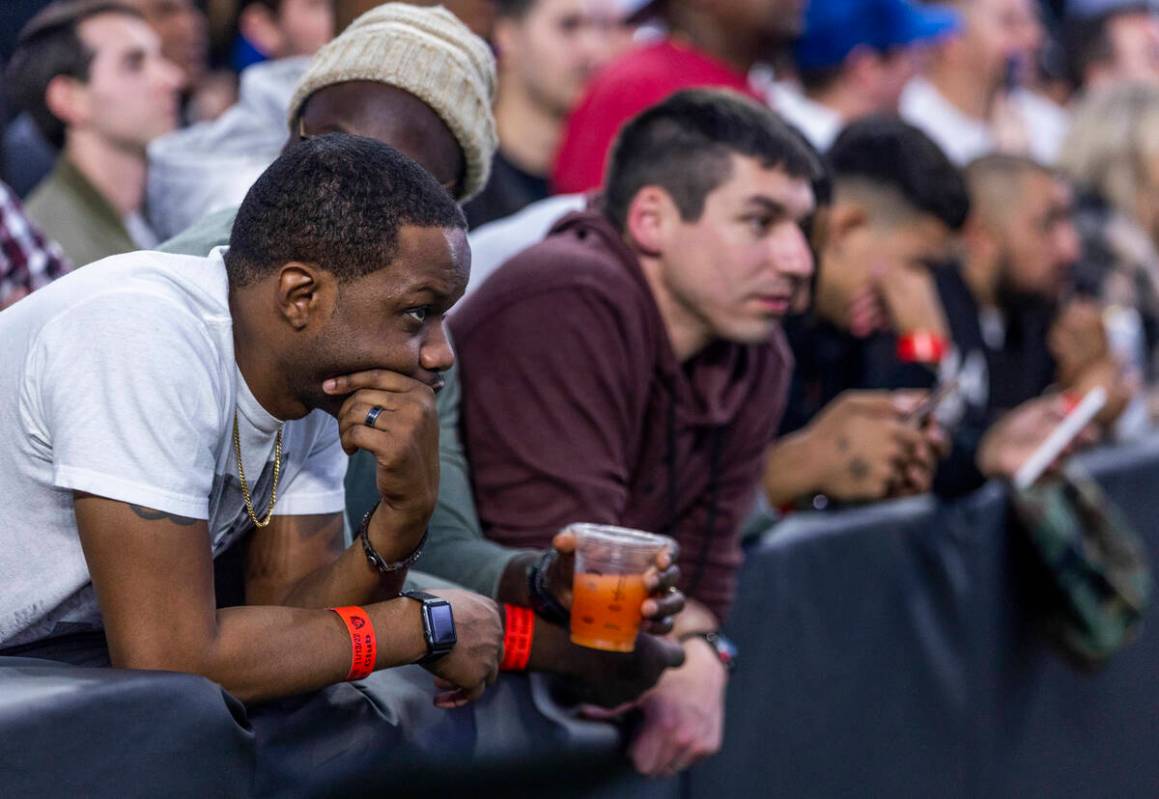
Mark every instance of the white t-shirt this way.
pixel 964 138
pixel 119 380
pixel 818 122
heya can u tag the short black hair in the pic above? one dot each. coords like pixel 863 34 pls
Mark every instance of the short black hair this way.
pixel 1085 40
pixel 336 201
pixel 684 144
pixel 48 46
pixel 887 152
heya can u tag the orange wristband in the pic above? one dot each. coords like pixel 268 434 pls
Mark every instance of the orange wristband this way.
pixel 518 632
pixel 363 647
pixel 922 346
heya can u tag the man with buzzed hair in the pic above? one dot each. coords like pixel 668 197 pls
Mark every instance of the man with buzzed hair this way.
pixel 1011 302
pixel 219 395
pixel 630 370
pixel 361 83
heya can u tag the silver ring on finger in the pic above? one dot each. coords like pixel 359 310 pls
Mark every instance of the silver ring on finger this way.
pixel 373 414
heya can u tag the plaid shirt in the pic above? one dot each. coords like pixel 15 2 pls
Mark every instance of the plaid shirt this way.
pixel 27 260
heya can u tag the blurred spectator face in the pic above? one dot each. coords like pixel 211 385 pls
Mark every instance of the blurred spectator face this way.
pixel 1134 45
pixel 884 76
pixel 288 28
pixel 131 96
pixel 306 24
pixel 738 267
pixel 1035 237
pixel 997 33
pixel 182 28
pixel 554 49
pixel 862 248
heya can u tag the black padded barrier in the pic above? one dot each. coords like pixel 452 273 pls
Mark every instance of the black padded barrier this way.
pixel 888 651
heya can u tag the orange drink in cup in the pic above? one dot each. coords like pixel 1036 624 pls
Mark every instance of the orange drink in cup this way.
pixel 608 587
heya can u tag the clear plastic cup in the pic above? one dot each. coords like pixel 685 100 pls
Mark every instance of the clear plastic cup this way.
pixel 608 587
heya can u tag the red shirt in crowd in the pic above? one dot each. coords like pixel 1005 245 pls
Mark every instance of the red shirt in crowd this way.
pixel 575 408
pixel 640 79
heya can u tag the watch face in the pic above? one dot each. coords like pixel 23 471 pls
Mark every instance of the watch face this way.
pixel 442 625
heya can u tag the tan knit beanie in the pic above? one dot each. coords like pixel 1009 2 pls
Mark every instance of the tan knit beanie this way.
pixel 429 53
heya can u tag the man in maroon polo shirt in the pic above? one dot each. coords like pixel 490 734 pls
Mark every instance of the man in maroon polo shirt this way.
pixel 631 369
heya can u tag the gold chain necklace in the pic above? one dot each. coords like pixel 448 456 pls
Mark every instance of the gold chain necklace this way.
pixel 245 489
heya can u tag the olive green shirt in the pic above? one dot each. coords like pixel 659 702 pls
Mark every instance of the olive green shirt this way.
pixel 76 216
pixel 456 549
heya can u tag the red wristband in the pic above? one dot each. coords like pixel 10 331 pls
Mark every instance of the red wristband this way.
pixel 363 647
pixel 518 632
pixel 922 346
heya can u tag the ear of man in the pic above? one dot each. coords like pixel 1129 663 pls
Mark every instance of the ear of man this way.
pixel 652 216
pixel 305 294
pixel 65 98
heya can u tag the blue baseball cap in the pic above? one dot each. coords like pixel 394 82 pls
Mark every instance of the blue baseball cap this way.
pixel 834 28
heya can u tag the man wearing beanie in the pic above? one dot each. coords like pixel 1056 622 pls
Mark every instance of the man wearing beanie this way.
pixel 415 78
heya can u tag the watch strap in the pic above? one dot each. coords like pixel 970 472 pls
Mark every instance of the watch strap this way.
pixel 723 648
pixel 435 649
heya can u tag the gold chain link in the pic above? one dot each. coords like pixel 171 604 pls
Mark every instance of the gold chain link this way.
pixel 245 489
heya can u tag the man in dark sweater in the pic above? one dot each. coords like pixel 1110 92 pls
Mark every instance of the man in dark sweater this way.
pixel 1015 308
pixel 631 369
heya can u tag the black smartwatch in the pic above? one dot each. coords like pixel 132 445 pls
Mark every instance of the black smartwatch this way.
pixel 725 649
pixel 438 624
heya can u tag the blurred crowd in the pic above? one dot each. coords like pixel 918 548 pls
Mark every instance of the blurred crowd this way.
pixel 963 238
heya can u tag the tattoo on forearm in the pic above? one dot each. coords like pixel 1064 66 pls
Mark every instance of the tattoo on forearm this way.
pixel 858 469
pixel 150 515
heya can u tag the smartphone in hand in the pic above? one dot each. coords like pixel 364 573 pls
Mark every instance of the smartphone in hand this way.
pixel 929 406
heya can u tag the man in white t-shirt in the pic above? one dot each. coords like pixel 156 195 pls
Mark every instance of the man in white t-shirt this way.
pixel 155 409
pixel 971 100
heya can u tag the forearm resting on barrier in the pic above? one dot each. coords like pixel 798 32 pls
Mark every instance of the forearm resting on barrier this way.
pixel 153 575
